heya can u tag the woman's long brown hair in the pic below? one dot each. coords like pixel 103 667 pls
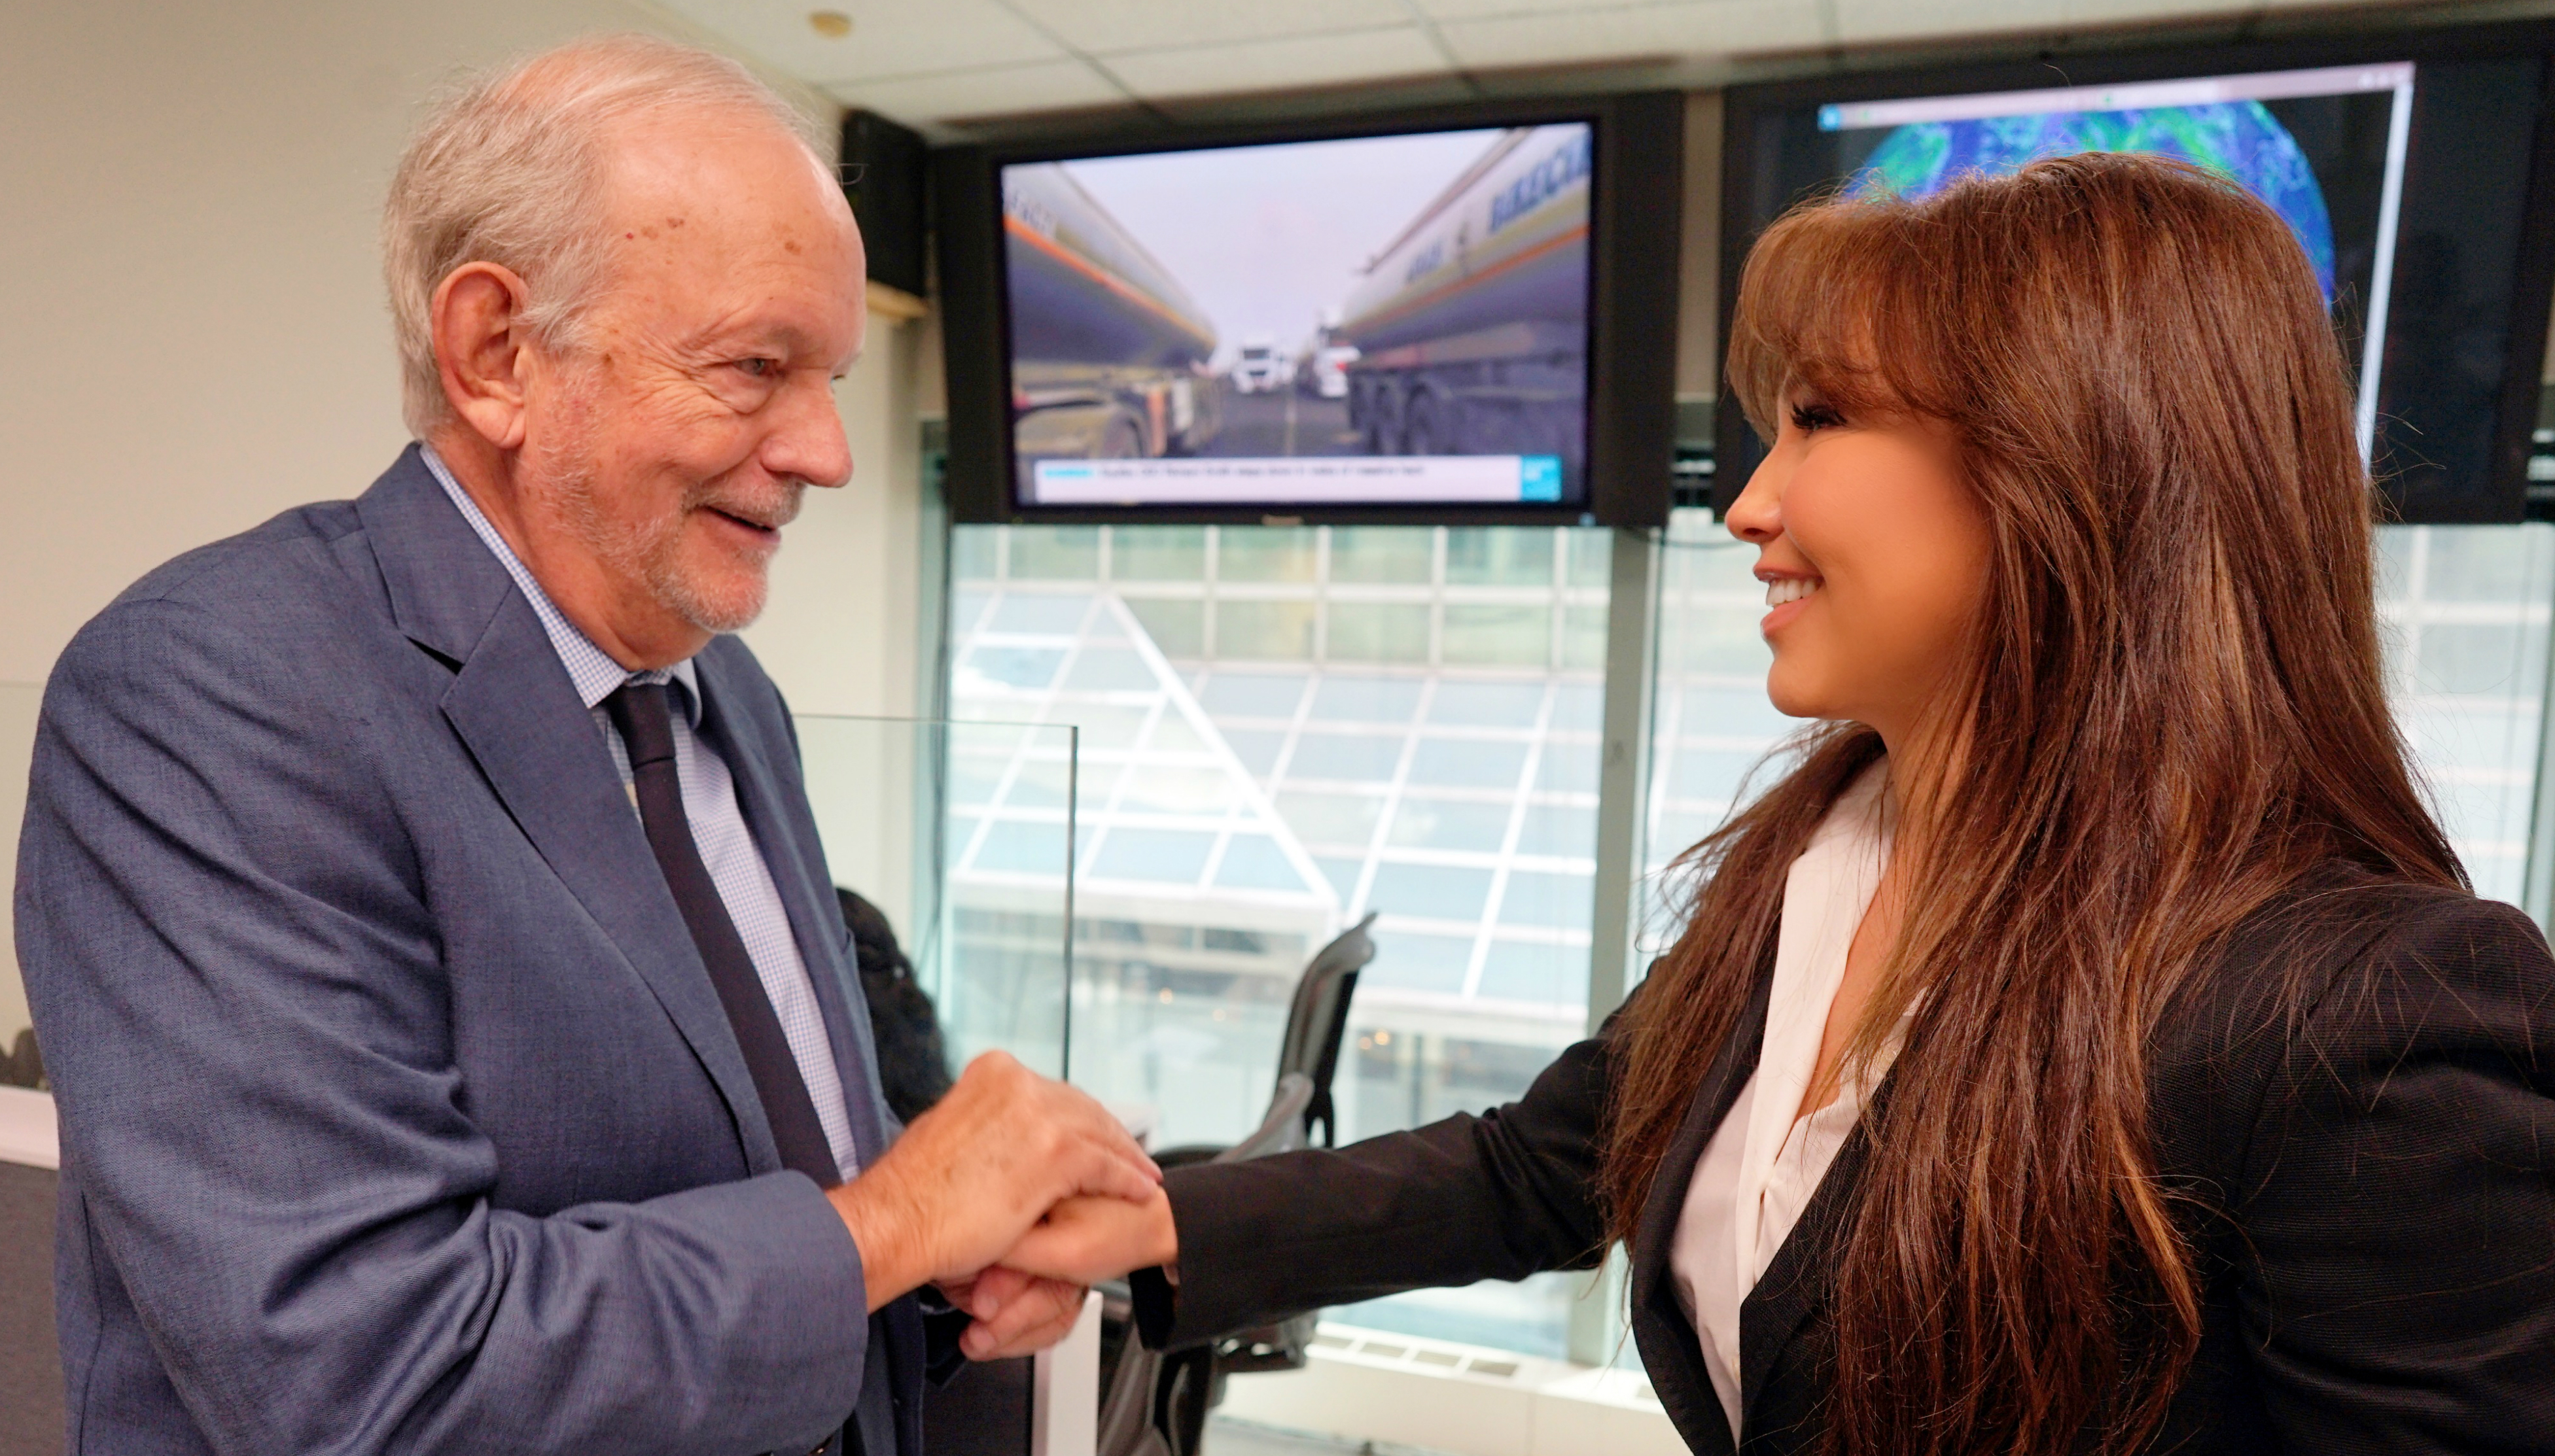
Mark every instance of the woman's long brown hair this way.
pixel 2172 713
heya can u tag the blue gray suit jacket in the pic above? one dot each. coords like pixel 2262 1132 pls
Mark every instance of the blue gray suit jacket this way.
pixel 399 1112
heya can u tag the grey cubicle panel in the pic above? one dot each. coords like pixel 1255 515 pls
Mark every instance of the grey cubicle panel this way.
pixel 31 1370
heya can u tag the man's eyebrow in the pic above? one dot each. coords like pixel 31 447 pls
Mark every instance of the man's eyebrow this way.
pixel 752 334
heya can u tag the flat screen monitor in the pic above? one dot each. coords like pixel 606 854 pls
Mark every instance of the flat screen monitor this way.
pixel 1408 321
pixel 2405 165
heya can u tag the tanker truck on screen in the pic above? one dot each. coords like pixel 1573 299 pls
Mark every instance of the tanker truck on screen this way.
pixel 1471 326
pixel 1109 353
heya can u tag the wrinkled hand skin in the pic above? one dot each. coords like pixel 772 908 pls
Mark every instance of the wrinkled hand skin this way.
pixel 974 1174
pixel 1016 1313
pixel 1078 1242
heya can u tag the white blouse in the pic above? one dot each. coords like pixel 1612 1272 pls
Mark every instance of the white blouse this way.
pixel 1762 1165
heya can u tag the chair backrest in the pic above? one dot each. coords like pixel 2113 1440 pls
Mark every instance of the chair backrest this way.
pixel 1134 1409
pixel 1283 1129
pixel 1317 1020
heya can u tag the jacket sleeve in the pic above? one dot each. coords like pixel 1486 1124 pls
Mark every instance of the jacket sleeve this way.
pixel 2400 1294
pixel 240 990
pixel 1500 1197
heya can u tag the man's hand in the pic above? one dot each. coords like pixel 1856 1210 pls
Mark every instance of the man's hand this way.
pixel 976 1171
pixel 1085 1240
pixel 1016 1313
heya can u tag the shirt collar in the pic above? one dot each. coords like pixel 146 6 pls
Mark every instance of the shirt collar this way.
pixel 589 667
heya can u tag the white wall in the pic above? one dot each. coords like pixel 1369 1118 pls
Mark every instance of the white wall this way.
pixel 194 333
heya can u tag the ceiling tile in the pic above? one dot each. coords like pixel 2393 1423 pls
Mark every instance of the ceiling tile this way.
pixel 1693 28
pixel 1860 22
pixel 887 36
pixel 1001 90
pixel 1484 8
pixel 1295 61
pixel 1152 24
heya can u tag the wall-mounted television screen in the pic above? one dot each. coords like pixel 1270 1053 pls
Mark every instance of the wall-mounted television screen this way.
pixel 2405 165
pixel 1400 322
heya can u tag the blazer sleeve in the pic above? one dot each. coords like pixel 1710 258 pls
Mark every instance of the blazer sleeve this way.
pixel 2400 1295
pixel 220 914
pixel 1499 1196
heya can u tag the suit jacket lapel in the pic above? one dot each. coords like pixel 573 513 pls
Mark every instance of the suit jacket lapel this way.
pixel 799 871
pixel 1796 1283
pixel 1668 1338
pixel 514 707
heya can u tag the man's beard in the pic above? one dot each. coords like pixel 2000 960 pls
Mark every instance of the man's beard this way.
pixel 651 551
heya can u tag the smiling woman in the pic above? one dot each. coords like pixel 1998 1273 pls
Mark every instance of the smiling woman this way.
pixel 2089 1044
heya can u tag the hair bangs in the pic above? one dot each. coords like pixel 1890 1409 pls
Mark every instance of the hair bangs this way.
pixel 1831 304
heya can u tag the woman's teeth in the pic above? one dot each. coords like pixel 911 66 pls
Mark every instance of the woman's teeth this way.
pixel 1789 589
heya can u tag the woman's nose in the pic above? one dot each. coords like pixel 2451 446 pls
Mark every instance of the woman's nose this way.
pixel 1757 517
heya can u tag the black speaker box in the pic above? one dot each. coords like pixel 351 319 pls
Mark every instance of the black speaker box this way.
pixel 882 172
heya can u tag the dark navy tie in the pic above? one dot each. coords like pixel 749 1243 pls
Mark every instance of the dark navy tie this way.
pixel 640 710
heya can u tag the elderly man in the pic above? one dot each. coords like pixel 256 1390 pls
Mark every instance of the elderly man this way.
pixel 419 901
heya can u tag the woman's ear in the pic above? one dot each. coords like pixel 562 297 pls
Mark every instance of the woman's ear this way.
pixel 482 351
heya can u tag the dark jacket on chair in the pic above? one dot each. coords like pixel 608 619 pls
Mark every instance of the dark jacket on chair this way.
pixel 2377 1156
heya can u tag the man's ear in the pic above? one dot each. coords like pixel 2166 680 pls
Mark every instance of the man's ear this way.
pixel 482 350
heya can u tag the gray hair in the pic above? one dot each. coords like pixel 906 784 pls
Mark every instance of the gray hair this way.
pixel 507 169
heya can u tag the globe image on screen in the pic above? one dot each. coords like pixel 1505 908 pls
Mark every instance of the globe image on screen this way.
pixel 2238 140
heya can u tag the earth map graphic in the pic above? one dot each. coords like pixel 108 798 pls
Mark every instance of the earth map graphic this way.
pixel 2240 140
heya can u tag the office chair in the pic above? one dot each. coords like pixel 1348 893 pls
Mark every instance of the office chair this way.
pixel 1157 1403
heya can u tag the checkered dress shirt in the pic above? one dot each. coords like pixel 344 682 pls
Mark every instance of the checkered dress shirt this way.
pixel 718 827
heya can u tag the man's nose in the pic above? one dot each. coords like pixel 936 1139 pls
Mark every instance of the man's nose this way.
pixel 806 440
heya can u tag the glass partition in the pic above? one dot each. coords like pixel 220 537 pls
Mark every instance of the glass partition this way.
pixel 1282 730
pixel 960 833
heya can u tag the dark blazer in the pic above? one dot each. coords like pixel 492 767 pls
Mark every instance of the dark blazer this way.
pixel 399 1112
pixel 2376 1259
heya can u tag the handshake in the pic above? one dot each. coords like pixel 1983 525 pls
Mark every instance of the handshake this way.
pixel 1013 1194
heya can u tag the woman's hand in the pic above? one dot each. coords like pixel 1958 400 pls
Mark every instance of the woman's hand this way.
pixel 1031 1299
pixel 1087 1239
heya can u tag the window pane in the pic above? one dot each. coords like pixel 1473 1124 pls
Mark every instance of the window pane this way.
pixel 1331 819
pixel 1493 635
pixel 1464 704
pixel 1343 756
pixel 2465 614
pixel 1156 553
pixel 1382 553
pixel 1264 554
pixel 1536 898
pixel 1491 556
pixel 1430 892
pixel 1263 630
pixel 1366 699
pixel 1468 762
pixel 1178 628
pixel 1250 800
pixel 1592 554
pixel 1583 637
pixel 1379 631
pixel 1253 694
pixel 1059 552
pixel 1438 823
